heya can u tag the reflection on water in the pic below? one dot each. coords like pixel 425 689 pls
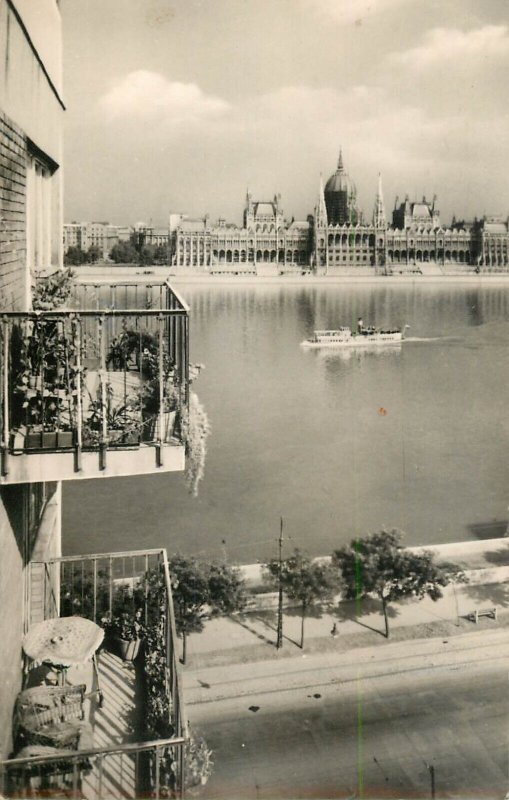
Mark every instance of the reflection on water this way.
pixel 299 432
pixel 357 353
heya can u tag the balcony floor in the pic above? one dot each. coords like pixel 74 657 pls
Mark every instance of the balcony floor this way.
pixel 117 722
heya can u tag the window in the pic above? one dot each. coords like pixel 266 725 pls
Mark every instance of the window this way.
pixel 39 208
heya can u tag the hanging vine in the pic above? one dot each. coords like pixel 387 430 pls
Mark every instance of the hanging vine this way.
pixel 195 429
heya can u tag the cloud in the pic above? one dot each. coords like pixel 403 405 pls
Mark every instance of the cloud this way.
pixel 446 45
pixel 143 94
pixel 346 12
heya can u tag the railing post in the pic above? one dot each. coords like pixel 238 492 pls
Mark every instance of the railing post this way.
pixel 103 444
pixel 95 589
pixel 75 777
pixel 5 396
pixel 161 391
pixel 157 776
pixel 79 433
pixel 186 359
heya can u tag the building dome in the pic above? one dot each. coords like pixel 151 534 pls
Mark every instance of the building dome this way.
pixel 340 181
pixel 340 196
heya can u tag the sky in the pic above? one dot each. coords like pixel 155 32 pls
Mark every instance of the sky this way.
pixel 181 105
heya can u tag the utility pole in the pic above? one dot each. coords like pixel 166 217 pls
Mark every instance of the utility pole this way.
pixel 279 640
pixel 431 770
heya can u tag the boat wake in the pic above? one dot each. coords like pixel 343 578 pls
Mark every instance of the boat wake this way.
pixel 418 339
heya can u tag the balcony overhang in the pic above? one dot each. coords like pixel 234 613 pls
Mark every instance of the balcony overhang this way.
pixel 61 465
pixel 93 393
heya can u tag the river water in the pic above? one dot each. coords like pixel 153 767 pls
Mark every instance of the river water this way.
pixel 337 443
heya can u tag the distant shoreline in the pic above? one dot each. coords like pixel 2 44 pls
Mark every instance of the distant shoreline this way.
pixel 107 271
pixel 317 280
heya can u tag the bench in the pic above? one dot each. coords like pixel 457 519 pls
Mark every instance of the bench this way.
pixel 482 612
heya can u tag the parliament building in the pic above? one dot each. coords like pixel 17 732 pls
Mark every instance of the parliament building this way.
pixel 337 239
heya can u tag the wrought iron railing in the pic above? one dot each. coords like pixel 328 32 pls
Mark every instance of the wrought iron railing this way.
pixel 98 587
pixel 95 293
pixel 128 770
pixel 93 379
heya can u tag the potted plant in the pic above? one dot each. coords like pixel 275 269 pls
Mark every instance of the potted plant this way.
pixel 123 420
pixel 125 630
pixel 45 388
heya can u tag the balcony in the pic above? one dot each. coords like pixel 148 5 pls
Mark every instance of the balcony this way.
pixel 134 714
pixel 91 393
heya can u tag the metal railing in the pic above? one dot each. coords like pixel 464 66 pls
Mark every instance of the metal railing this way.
pixel 93 379
pixel 98 587
pixel 138 292
pixel 129 770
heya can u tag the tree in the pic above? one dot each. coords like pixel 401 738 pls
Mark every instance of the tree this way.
pixel 124 253
pixel 303 580
pixel 146 254
pixel 190 590
pixel 227 592
pixel 74 256
pixel 379 565
pixel 200 591
pixel 161 254
pixel 93 254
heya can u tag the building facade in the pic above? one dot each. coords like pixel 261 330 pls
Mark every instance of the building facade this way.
pixel 61 377
pixel 31 117
pixel 338 239
pixel 99 235
pixel 264 239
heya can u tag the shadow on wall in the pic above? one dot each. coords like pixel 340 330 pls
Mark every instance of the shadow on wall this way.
pixel 12 500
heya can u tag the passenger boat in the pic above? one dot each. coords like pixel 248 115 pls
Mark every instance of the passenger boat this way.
pixel 362 337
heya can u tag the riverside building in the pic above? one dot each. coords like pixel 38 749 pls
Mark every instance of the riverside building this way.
pixel 63 381
pixel 337 239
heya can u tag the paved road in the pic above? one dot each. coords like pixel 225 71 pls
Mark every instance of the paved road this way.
pixel 368 726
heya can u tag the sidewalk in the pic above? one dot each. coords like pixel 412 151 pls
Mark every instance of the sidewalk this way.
pixel 252 636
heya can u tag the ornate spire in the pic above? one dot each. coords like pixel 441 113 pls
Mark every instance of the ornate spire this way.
pixel 340 161
pixel 321 208
pixel 379 219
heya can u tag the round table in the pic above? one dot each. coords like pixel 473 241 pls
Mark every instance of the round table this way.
pixel 63 641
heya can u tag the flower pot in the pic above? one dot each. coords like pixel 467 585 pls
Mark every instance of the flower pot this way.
pixel 128 648
pixel 132 437
pixel 64 439
pixel 33 440
pixel 49 440
pixel 114 436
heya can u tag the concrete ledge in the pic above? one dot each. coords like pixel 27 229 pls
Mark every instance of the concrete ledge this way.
pixel 60 466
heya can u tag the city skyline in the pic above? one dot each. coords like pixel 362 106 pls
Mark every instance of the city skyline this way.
pixel 202 102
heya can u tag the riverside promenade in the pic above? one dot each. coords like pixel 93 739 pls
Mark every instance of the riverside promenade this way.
pixel 251 636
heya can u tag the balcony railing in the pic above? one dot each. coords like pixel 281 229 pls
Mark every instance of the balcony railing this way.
pixel 136 291
pixel 95 587
pixel 87 384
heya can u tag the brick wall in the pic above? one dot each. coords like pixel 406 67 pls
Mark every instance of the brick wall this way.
pixel 13 155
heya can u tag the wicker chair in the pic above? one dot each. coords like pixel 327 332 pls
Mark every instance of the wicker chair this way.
pixel 50 716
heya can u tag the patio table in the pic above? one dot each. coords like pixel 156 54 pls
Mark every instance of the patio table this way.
pixel 64 642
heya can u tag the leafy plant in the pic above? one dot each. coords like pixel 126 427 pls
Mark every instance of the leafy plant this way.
pixel 198 761
pixel 201 591
pixel 44 374
pixel 127 625
pixel 52 291
pixel 303 580
pixel 195 429
pixel 379 565
pixel 190 595
pixel 124 417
